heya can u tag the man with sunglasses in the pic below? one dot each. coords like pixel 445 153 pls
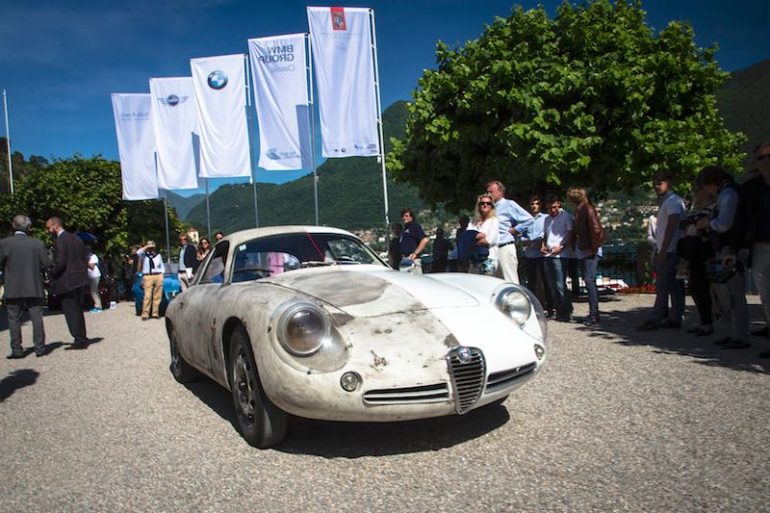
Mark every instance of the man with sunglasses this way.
pixel 752 229
pixel 512 218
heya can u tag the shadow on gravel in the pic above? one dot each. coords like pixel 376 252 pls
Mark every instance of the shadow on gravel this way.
pixel 17 379
pixel 622 323
pixel 357 439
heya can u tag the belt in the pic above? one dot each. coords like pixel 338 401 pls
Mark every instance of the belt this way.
pixel 505 244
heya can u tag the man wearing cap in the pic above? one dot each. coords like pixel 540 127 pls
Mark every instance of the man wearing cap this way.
pixel 69 275
pixel 152 279
pixel 23 260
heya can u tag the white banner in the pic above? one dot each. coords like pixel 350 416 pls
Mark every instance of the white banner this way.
pixel 280 93
pixel 136 145
pixel 344 68
pixel 220 94
pixel 175 124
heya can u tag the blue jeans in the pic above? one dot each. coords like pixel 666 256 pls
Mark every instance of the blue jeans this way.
pixel 588 269
pixel 666 285
pixel 534 272
pixel 555 271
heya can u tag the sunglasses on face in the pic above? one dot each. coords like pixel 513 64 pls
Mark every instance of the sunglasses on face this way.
pixel 485 203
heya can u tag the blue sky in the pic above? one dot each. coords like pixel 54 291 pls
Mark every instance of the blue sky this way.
pixel 61 60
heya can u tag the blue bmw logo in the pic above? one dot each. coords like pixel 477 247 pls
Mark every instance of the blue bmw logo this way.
pixel 172 100
pixel 217 79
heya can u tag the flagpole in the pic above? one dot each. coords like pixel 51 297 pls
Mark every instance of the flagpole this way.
pixel 208 208
pixel 168 236
pixel 253 177
pixel 379 120
pixel 8 141
pixel 311 116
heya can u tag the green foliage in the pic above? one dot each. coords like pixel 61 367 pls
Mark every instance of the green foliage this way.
pixel 591 97
pixel 86 194
pixel 745 104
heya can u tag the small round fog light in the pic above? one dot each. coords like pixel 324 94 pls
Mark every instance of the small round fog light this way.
pixel 350 381
pixel 539 351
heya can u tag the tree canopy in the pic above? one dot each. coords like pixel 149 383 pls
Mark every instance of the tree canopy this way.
pixel 86 194
pixel 591 97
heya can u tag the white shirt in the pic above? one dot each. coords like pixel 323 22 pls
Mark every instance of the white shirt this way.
pixel 490 228
pixel 95 272
pixel 671 204
pixel 556 229
pixel 157 262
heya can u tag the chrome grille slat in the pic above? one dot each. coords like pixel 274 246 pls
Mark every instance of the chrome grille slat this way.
pixel 407 395
pixel 467 374
pixel 504 378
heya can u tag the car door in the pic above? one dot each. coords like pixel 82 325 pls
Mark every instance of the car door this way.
pixel 202 306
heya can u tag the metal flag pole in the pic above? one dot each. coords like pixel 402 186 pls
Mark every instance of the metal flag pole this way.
pixel 311 119
pixel 253 177
pixel 8 140
pixel 208 208
pixel 168 236
pixel 381 157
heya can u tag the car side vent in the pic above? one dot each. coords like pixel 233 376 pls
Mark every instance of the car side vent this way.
pixel 467 369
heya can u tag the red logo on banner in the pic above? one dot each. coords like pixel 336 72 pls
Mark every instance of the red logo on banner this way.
pixel 338 18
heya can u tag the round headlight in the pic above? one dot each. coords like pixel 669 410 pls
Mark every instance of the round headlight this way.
pixel 515 304
pixel 303 329
pixel 350 381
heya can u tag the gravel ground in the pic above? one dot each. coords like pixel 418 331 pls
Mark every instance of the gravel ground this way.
pixel 617 421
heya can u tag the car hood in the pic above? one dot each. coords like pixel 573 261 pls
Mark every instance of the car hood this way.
pixel 371 291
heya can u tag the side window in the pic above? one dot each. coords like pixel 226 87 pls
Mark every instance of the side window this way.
pixel 213 268
pixel 261 258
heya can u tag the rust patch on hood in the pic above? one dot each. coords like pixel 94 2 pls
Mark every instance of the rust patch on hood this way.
pixel 450 341
pixel 341 319
pixel 379 361
pixel 337 287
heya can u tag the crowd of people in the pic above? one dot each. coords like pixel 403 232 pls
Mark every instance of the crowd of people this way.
pixel 725 233
pixel 74 274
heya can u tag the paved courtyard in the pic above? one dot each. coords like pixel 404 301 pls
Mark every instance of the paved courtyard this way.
pixel 617 421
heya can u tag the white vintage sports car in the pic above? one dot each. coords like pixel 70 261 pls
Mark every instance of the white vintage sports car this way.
pixel 308 321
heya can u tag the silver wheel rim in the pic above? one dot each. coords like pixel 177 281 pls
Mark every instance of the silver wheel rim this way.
pixel 245 388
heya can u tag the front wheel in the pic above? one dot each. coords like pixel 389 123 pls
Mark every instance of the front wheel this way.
pixel 261 423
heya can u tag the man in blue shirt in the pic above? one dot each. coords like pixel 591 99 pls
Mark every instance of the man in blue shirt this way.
pixel 512 219
pixel 413 239
pixel 532 237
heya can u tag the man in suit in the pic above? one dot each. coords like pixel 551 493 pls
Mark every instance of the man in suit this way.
pixel 187 261
pixel 23 260
pixel 69 275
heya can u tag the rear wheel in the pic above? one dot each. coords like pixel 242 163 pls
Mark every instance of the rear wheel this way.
pixel 261 423
pixel 182 371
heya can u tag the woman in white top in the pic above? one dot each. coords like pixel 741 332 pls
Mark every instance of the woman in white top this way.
pixel 94 275
pixel 488 227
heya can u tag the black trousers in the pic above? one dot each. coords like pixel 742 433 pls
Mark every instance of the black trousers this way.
pixel 71 305
pixel 700 291
pixel 16 308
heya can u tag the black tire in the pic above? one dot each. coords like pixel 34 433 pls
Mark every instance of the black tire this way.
pixel 261 423
pixel 182 371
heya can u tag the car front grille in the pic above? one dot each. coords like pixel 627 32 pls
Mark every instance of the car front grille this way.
pixel 507 377
pixel 420 394
pixel 467 369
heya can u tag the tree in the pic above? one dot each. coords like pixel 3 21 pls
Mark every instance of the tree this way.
pixel 591 97
pixel 86 193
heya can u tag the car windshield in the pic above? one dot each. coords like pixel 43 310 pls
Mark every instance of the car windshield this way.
pixel 268 256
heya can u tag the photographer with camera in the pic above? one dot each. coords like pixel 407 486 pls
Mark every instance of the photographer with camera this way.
pixel 728 283
pixel 694 250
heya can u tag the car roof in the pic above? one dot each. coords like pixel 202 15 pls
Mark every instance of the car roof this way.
pixel 253 233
